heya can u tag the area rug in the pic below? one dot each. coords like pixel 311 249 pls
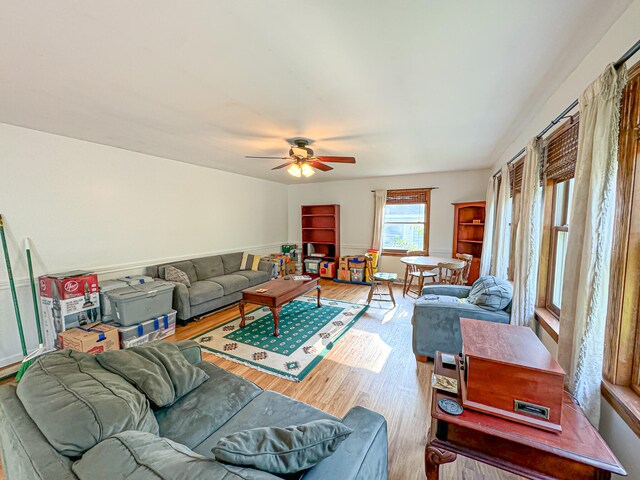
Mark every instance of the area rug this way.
pixel 307 333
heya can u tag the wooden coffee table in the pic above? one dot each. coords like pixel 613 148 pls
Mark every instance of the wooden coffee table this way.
pixel 279 292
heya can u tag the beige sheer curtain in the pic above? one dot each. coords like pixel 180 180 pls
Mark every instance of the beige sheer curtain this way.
pixel 586 282
pixel 380 199
pixel 527 246
pixel 487 241
pixel 501 238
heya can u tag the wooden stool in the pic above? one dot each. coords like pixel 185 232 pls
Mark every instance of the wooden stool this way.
pixel 381 278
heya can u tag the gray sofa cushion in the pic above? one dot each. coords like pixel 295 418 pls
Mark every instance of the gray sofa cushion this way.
pixel 186 266
pixel 269 409
pixel 255 277
pixel 282 449
pixel 232 283
pixel 90 403
pixel 158 369
pixel 201 412
pixel 201 292
pixel 231 262
pixel 142 456
pixel 208 267
pixel 491 293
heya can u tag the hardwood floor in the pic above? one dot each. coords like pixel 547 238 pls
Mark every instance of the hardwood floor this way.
pixel 373 366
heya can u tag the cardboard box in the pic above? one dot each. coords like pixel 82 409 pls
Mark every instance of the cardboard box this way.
pixel 68 300
pixel 93 338
pixel 343 263
pixel 357 261
pixel 344 275
pixel 290 268
pixel 328 269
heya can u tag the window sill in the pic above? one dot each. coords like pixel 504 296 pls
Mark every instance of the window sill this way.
pixel 394 254
pixel 625 402
pixel 548 322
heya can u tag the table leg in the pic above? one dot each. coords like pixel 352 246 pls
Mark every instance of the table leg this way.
pixel 433 458
pixel 319 291
pixel 275 311
pixel 241 308
pixel 404 286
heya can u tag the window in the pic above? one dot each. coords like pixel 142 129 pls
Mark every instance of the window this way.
pixel 562 192
pixel 406 221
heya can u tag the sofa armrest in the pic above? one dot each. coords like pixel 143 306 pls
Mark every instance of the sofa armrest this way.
pixel 460 291
pixel 191 350
pixel 362 456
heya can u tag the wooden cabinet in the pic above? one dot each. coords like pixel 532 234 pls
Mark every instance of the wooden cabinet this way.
pixel 468 233
pixel 321 231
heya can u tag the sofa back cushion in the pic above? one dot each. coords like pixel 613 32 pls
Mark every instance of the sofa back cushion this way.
pixel 148 457
pixel 76 403
pixel 231 262
pixel 186 266
pixel 491 293
pixel 208 267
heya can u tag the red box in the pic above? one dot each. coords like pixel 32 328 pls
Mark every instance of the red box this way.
pixel 68 300
pixel 328 269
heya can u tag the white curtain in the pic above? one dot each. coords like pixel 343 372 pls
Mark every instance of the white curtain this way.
pixel 501 239
pixel 487 241
pixel 380 198
pixel 527 247
pixel 586 283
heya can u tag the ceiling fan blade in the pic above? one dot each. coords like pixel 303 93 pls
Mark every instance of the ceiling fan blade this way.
pixel 276 158
pixel 320 166
pixel 337 159
pixel 282 166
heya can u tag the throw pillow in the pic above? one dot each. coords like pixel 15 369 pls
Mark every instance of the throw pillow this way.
pixel 249 262
pixel 157 369
pixel 173 274
pixel 148 457
pixel 282 450
pixel 76 403
pixel 491 293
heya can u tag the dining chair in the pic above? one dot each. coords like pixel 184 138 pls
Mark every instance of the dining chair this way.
pixel 451 273
pixel 416 272
pixel 378 279
pixel 465 273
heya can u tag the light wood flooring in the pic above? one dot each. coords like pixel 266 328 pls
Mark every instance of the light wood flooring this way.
pixel 372 365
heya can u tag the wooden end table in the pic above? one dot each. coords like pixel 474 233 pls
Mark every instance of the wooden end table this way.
pixel 578 452
pixel 278 292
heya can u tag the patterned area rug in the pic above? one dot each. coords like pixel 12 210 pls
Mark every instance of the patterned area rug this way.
pixel 307 333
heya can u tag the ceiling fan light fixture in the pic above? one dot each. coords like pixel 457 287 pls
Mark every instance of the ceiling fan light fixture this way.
pixel 307 170
pixel 295 170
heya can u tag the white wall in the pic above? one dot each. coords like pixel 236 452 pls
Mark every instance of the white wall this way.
pixel 356 207
pixel 90 206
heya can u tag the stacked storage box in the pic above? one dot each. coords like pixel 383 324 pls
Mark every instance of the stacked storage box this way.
pixel 142 310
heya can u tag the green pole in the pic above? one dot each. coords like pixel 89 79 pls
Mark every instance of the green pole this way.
pixel 34 295
pixel 13 288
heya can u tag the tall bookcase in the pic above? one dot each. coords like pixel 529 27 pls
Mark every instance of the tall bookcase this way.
pixel 321 230
pixel 468 232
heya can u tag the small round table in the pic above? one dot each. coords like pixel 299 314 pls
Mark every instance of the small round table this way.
pixel 423 264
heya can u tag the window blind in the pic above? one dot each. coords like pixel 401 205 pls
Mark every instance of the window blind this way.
pixel 515 176
pixel 408 196
pixel 561 152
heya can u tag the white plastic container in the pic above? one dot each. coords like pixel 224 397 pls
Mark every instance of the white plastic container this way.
pixel 105 304
pixel 138 303
pixel 136 279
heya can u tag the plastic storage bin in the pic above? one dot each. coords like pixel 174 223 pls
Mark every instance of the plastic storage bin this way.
pixel 105 304
pixel 136 279
pixel 357 274
pixel 137 303
pixel 312 265
pixel 167 327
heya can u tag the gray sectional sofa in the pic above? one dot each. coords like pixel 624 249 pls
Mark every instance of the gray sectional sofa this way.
pixel 216 281
pixel 87 408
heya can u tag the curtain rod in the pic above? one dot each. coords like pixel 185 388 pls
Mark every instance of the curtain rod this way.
pixel 408 189
pixel 621 61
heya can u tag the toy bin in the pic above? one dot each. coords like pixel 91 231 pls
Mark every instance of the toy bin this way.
pixel 138 303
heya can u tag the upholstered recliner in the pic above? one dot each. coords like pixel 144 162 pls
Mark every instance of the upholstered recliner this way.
pixel 437 313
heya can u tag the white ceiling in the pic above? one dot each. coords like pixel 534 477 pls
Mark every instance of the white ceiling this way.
pixel 405 87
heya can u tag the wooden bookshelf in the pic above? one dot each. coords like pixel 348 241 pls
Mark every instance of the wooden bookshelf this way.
pixel 321 230
pixel 467 235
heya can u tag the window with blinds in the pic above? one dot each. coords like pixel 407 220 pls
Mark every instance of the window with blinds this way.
pixel 406 221
pixel 561 152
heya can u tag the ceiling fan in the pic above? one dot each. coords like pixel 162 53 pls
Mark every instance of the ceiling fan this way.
pixel 302 161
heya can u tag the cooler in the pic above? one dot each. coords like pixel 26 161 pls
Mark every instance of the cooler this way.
pixel 138 303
